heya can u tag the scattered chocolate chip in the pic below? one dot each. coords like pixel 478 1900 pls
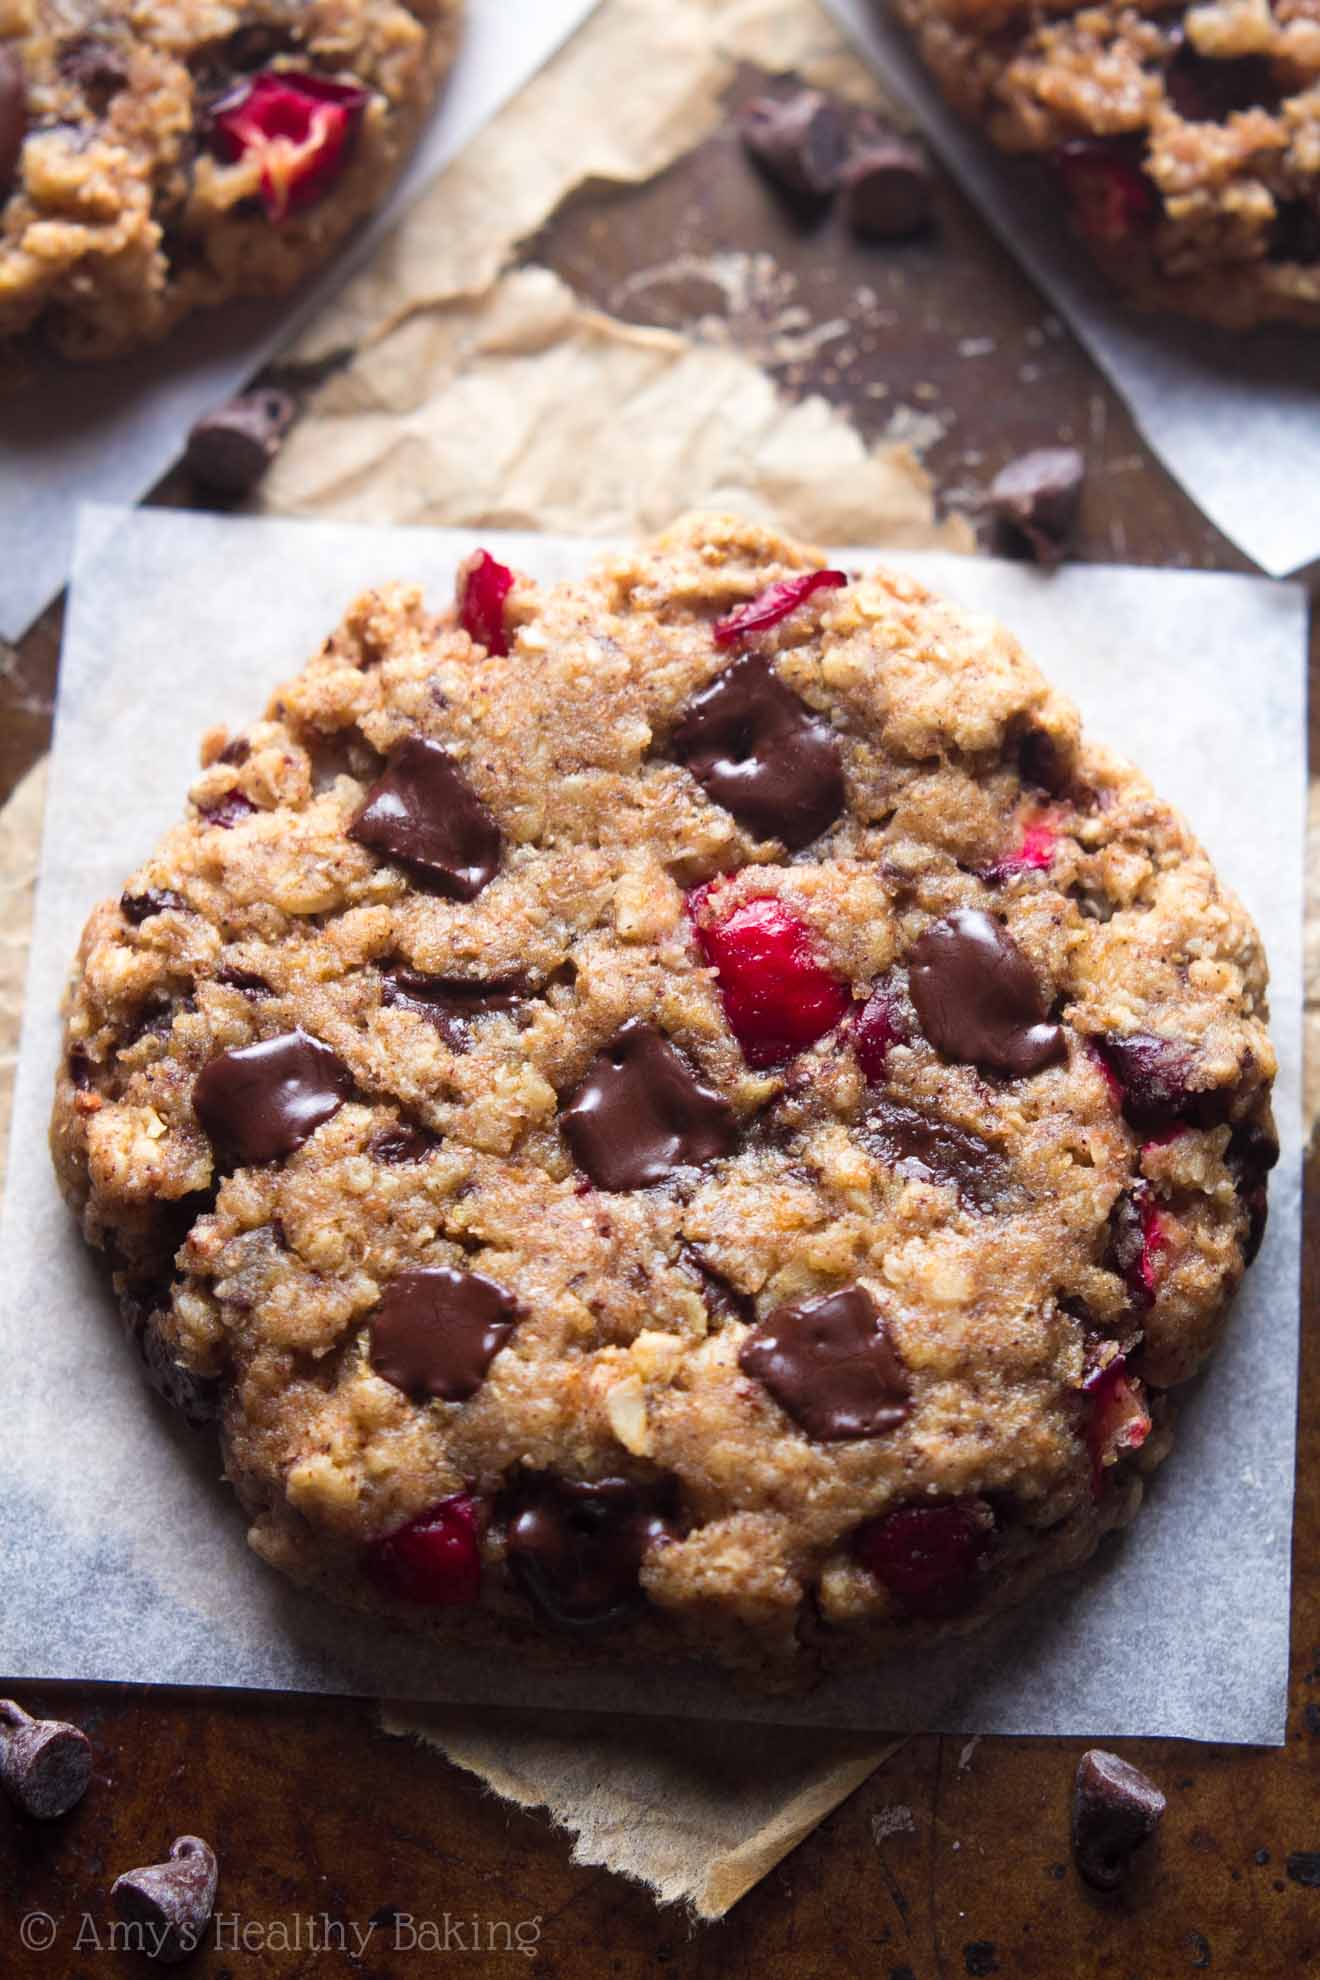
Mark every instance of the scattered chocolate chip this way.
pixel 45 1765
pixel 977 997
pixel 1115 1809
pixel 1038 496
pixel 398 1145
pixel 228 810
pixel 195 1397
pixel 450 1003
pixel 13 117
pixel 831 1365
pixel 436 1332
pixel 137 908
pixel 95 68
pixel 641 1113
pixel 423 812
pixel 886 190
pixel 926 1149
pixel 799 141
pixel 758 750
pixel 259 1102
pixel 1207 89
pixel 724 1300
pixel 577 1548
pixel 230 449
pixel 171 1903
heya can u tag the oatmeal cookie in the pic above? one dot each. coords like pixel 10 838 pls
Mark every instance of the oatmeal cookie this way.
pixel 687 1108
pixel 1184 140
pixel 158 158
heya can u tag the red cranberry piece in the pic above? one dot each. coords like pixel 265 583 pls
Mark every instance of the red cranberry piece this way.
pixel 773 604
pixel 434 1560
pixel 881 1023
pixel 928 1556
pixel 1119 1421
pixel 1034 852
pixel 1109 194
pixel 1154 1075
pixel 483 586
pixel 1138 1240
pixel 778 997
pixel 301 128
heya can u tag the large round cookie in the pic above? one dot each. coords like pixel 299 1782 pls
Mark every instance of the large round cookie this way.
pixel 1183 140
pixel 687 1108
pixel 159 158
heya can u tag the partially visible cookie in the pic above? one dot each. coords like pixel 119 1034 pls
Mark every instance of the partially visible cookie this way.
pixel 1183 140
pixel 160 158
pixel 682 1111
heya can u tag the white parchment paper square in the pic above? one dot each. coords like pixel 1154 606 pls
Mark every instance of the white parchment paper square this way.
pixel 109 432
pixel 1234 417
pixel 122 1555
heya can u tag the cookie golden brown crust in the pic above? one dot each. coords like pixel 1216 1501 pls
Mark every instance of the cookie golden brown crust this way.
pixel 592 1220
pixel 163 158
pixel 1184 141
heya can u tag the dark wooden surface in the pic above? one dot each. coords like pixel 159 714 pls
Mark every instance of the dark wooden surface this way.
pixel 317 1816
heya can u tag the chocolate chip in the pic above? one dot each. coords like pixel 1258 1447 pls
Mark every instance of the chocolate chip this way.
pixel 450 1003
pixel 230 448
pixel 724 1300
pixel 137 908
pixel 245 980
pixel 1038 496
pixel 252 47
pixel 1296 232
pixel 886 190
pixel 928 1150
pixel 398 1145
pixel 436 1332
pixel 1042 761
pixel 577 1548
pixel 235 752
pixel 799 141
pixel 262 1101
pixel 1155 1074
pixel 831 1365
pixel 170 1903
pixel 13 117
pixel 424 813
pixel 1253 1150
pixel 641 1113
pixel 761 753
pixel 228 810
pixel 45 1765
pixel 977 997
pixel 1207 89
pixel 1115 1809
pixel 95 68
pixel 195 1397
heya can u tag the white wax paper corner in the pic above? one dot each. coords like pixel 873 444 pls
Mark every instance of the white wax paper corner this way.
pixel 109 432
pixel 1234 417
pixel 121 1553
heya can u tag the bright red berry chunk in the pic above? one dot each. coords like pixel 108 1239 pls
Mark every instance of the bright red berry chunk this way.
pixel 1119 1421
pixel 1109 194
pixel 928 1556
pixel 1034 851
pixel 434 1560
pixel 301 128
pixel 773 604
pixel 483 586
pixel 881 1023
pixel 778 996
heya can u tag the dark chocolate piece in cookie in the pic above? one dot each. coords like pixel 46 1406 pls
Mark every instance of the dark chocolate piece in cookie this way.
pixel 831 1365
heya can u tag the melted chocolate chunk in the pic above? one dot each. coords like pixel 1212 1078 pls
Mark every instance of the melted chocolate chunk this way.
pixel 398 1145
pixel 259 1102
pixel 724 1301
pixel 137 908
pixel 641 1113
pixel 577 1548
pixel 830 1364
pixel 1115 1809
pixel 437 1331
pixel 933 1151
pixel 761 753
pixel 449 1002
pixel 977 996
pixel 13 117
pixel 424 813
